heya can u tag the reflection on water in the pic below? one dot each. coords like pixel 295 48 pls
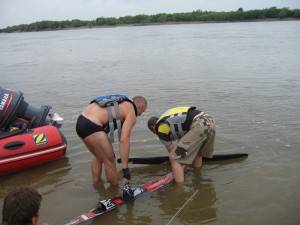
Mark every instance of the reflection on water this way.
pixel 200 208
pixel 48 177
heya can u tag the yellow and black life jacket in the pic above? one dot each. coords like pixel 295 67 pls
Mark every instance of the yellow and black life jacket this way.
pixel 172 122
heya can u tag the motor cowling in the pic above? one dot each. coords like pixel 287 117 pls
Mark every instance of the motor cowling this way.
pixel 13 106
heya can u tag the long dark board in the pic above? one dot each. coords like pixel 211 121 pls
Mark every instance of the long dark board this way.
pixel 162 159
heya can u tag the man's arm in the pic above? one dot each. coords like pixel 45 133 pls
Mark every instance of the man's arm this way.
pixel 167 143
pixel 171 148
pixel 124 147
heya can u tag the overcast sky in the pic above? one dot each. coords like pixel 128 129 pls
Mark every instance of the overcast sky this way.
pixel 15 12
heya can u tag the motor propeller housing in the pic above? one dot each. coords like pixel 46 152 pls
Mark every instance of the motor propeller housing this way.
pixel 13 106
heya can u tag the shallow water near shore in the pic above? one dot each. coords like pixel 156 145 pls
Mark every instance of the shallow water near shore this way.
pixel 245 75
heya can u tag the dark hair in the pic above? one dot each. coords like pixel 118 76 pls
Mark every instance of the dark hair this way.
pixel 20 206
pixel 152 121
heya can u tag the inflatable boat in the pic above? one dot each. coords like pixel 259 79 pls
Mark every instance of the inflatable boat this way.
pixel 29 136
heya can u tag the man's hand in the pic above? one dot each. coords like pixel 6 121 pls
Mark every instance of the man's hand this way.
pixel 126 174
pixel 166 163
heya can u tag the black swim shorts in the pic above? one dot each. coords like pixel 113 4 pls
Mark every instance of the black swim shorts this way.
pixel 85 127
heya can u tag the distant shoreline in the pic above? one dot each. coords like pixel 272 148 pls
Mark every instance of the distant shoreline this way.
pixel 166 23
pixel 194 17
pixel 177 23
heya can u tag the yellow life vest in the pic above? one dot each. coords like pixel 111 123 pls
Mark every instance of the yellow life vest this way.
pixel 173 120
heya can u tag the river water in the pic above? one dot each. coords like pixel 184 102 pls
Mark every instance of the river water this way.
pixel 246 75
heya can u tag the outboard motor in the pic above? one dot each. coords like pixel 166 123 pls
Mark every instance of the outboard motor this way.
pixel 13 106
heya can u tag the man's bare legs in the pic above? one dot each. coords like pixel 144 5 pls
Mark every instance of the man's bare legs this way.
pixel 178 170
pixel 99 144
pixel 197 162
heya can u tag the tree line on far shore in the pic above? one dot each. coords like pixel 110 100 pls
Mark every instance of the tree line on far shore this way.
pixel 195 16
